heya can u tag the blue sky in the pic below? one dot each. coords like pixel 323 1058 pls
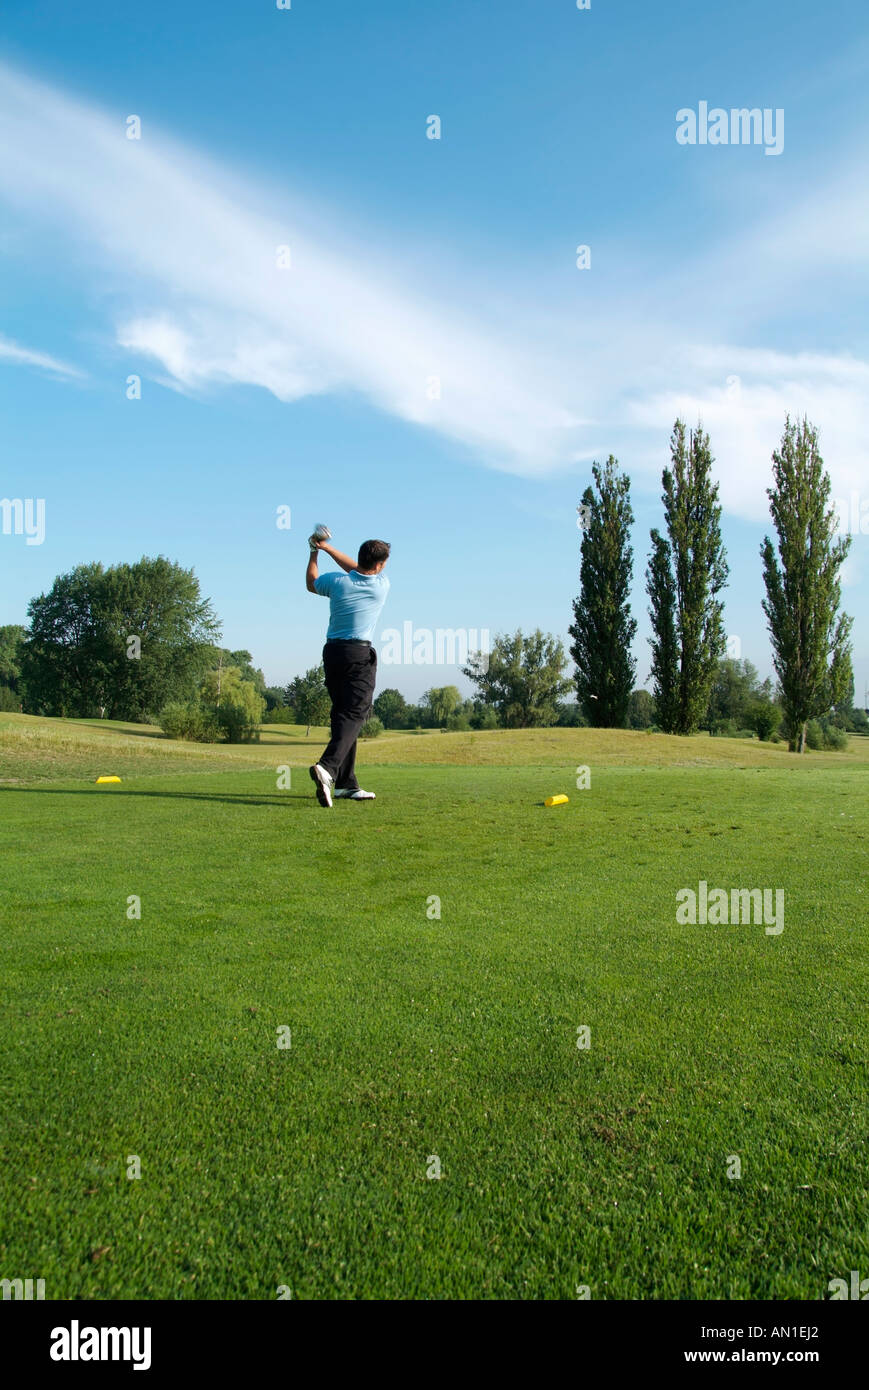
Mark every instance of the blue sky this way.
pixel 724 283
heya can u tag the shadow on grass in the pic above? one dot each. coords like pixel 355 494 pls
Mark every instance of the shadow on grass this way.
pixel 273 735
pixel 157 736
pixel 146 731
pixel 294 799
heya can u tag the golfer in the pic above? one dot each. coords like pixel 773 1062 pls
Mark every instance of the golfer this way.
pixel 349 660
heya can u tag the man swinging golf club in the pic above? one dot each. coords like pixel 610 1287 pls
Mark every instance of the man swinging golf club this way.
pixel 349 660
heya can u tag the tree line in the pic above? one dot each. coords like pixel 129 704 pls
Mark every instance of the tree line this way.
pixel 133 642
pixel 139 642
pixel 686 573
pixel 522 682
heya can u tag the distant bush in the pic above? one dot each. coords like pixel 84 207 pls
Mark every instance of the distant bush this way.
pixel 372 728
pixel 282 715
pixel 835 739
pixel 188 721
pixel 814 736
pixel 764 717
pixel 204 723
pixel 238 723
pixel 641 710
pixel 823 736
pixel 10 703
pixel 485 718
pixel 726 728
pixel 391 708
pixel 459 723
pixel 570 716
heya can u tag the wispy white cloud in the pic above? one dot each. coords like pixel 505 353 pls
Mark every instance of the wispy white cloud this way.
pixel 198 254
pixel 26 357
pixel 742 396
pixel 192 250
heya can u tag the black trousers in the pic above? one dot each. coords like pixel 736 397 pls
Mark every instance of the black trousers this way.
pixel 351 672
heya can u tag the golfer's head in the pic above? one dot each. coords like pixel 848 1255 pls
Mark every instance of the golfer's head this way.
pixel 372 556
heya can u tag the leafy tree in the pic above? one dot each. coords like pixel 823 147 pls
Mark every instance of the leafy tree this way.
pixel 441 702
pixel 603 628
pixel 236 703
pixel 687 572
pixel 664 643
pixel 275 698
pixel 244 661
pixel 847 715
pixel 159 603
pixel 843 708
pixel 391 708
pixel 120 642
pixel 641 710
pixel 66 658
pixel 810 637
pixel 522 678
pixel 11 652
pixel 309 697
pixel 735 686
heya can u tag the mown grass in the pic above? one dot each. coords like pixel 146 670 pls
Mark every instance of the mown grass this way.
pixel 34 748
pixel 414 1038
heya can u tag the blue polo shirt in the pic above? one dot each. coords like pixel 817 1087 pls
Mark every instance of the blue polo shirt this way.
pixel 355 602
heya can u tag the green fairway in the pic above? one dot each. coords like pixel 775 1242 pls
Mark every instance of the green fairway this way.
pixel 415 1039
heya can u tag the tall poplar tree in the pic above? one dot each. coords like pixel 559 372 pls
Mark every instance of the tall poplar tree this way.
pixel 664 643
pixel 810 637
pixel 686 574
pixel 603 628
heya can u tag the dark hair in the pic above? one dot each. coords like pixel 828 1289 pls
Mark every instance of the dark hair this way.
pixel 371 553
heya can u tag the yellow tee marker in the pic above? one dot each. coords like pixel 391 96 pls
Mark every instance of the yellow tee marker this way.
pixel 556 800
pixel 108 779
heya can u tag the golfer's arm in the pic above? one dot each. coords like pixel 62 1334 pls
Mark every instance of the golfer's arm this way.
pixel 311 572
pixel 343 560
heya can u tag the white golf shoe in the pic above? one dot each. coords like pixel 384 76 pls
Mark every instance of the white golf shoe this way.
pixel 324 784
